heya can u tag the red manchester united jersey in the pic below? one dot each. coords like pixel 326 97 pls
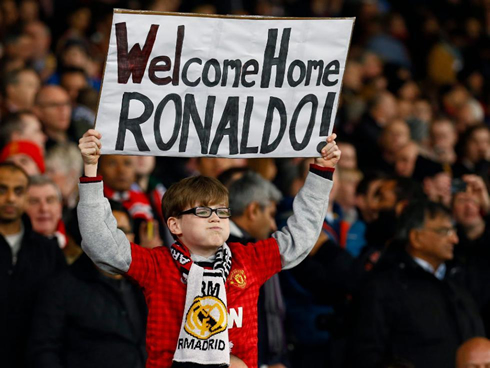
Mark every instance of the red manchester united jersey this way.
pixel 157 273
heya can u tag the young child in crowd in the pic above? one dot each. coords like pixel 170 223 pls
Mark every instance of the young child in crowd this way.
pixel 202 292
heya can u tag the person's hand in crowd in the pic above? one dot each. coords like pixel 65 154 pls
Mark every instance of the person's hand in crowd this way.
pixel 236 362
pixel 330 153
pixel 475 185
pixel 149 235
pixel 90 147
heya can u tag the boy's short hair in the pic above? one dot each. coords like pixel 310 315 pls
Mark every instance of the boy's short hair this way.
pixel 190 192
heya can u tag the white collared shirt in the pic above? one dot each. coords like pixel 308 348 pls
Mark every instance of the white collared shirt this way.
pixel 439 273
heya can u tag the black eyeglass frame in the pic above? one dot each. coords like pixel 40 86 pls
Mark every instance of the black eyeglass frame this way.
pixel 211 210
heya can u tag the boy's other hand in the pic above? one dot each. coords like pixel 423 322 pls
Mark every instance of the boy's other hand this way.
pixel 90 146
pixel 330 153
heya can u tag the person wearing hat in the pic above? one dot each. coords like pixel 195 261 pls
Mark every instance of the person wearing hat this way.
pixel 26 155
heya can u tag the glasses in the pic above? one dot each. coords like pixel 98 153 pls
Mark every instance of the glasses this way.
pixel 443 231
pixel 206 212
pixel 49 105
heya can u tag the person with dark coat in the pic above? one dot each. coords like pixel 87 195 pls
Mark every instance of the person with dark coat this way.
pixel 88 318
pixel 412 307
pixel 26 260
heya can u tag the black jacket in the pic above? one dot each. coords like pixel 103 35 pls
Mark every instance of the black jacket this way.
pixel 406 312
pixel 38 258
pixel 86 319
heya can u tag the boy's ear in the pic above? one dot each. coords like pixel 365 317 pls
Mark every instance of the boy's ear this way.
pixel 173 224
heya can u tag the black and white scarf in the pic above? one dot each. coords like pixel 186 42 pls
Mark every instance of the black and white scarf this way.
pixel 203 339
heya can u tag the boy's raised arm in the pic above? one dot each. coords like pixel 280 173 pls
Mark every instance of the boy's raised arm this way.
pixel 103 242
pixel 309 208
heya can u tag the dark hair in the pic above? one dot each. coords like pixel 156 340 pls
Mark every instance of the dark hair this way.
pixel 13 122
pixel 407 189
pixel 72 69
pixel 370 176
pixel 415 215
pixel 118 206
pixel 229 175
pixel 12 77
pixel 14 167
pixel 466 138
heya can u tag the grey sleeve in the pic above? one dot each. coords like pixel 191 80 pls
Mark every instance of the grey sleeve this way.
pixel 103 242
pixel 303 228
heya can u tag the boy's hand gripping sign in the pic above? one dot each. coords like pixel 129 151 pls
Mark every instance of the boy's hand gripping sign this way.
pixel 188 85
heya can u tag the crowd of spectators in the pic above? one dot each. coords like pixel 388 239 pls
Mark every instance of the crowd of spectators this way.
pixel 400 276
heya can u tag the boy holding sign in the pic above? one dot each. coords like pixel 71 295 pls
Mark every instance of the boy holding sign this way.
pixel 201 293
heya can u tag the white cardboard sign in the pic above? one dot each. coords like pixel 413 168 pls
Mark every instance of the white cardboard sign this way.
pixel 188 85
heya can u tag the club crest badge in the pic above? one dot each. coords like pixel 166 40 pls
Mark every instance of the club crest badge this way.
pixel 238 278
pixel 206 317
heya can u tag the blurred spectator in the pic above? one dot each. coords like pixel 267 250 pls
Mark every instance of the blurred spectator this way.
pixel 119 173
pixel 73 80
pixel 474 353
pixel 474 153
pixel 75 54
pixel 213 167
pixel 366 195
pixel 26 155
pixel 27 260
pixel 43 61
pixel 405 159
pixel 19 89
pixel 471 205
pixel 17 50
pixel 436 182
pixel 154 190
pixel 53 108
pixel 266 167
pixel 443 138
pixel 349 156
pixel 29 10
pixel 44 208
pixel 22 126
pixel 86 317
pixel 411 308
pixel 352 227
pixel 391 197
pixel 382 110
pixel 468 115
pixel 253 206
pixel 64 167
pixel 393 137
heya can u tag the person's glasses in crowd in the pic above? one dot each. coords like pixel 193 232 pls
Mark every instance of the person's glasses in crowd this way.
pixel 49 105
pixel 443 231
pixel 206 212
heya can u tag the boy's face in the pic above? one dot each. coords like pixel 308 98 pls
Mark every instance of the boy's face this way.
pixel 203 236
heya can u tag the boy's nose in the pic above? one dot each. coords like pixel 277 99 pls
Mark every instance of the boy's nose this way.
pixel 214 216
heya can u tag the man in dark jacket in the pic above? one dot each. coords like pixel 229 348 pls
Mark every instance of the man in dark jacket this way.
pixel 88 318
pixel 411 308
pixel 26 260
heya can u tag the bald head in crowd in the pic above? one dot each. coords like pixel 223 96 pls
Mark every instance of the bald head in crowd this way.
pixel 474 353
